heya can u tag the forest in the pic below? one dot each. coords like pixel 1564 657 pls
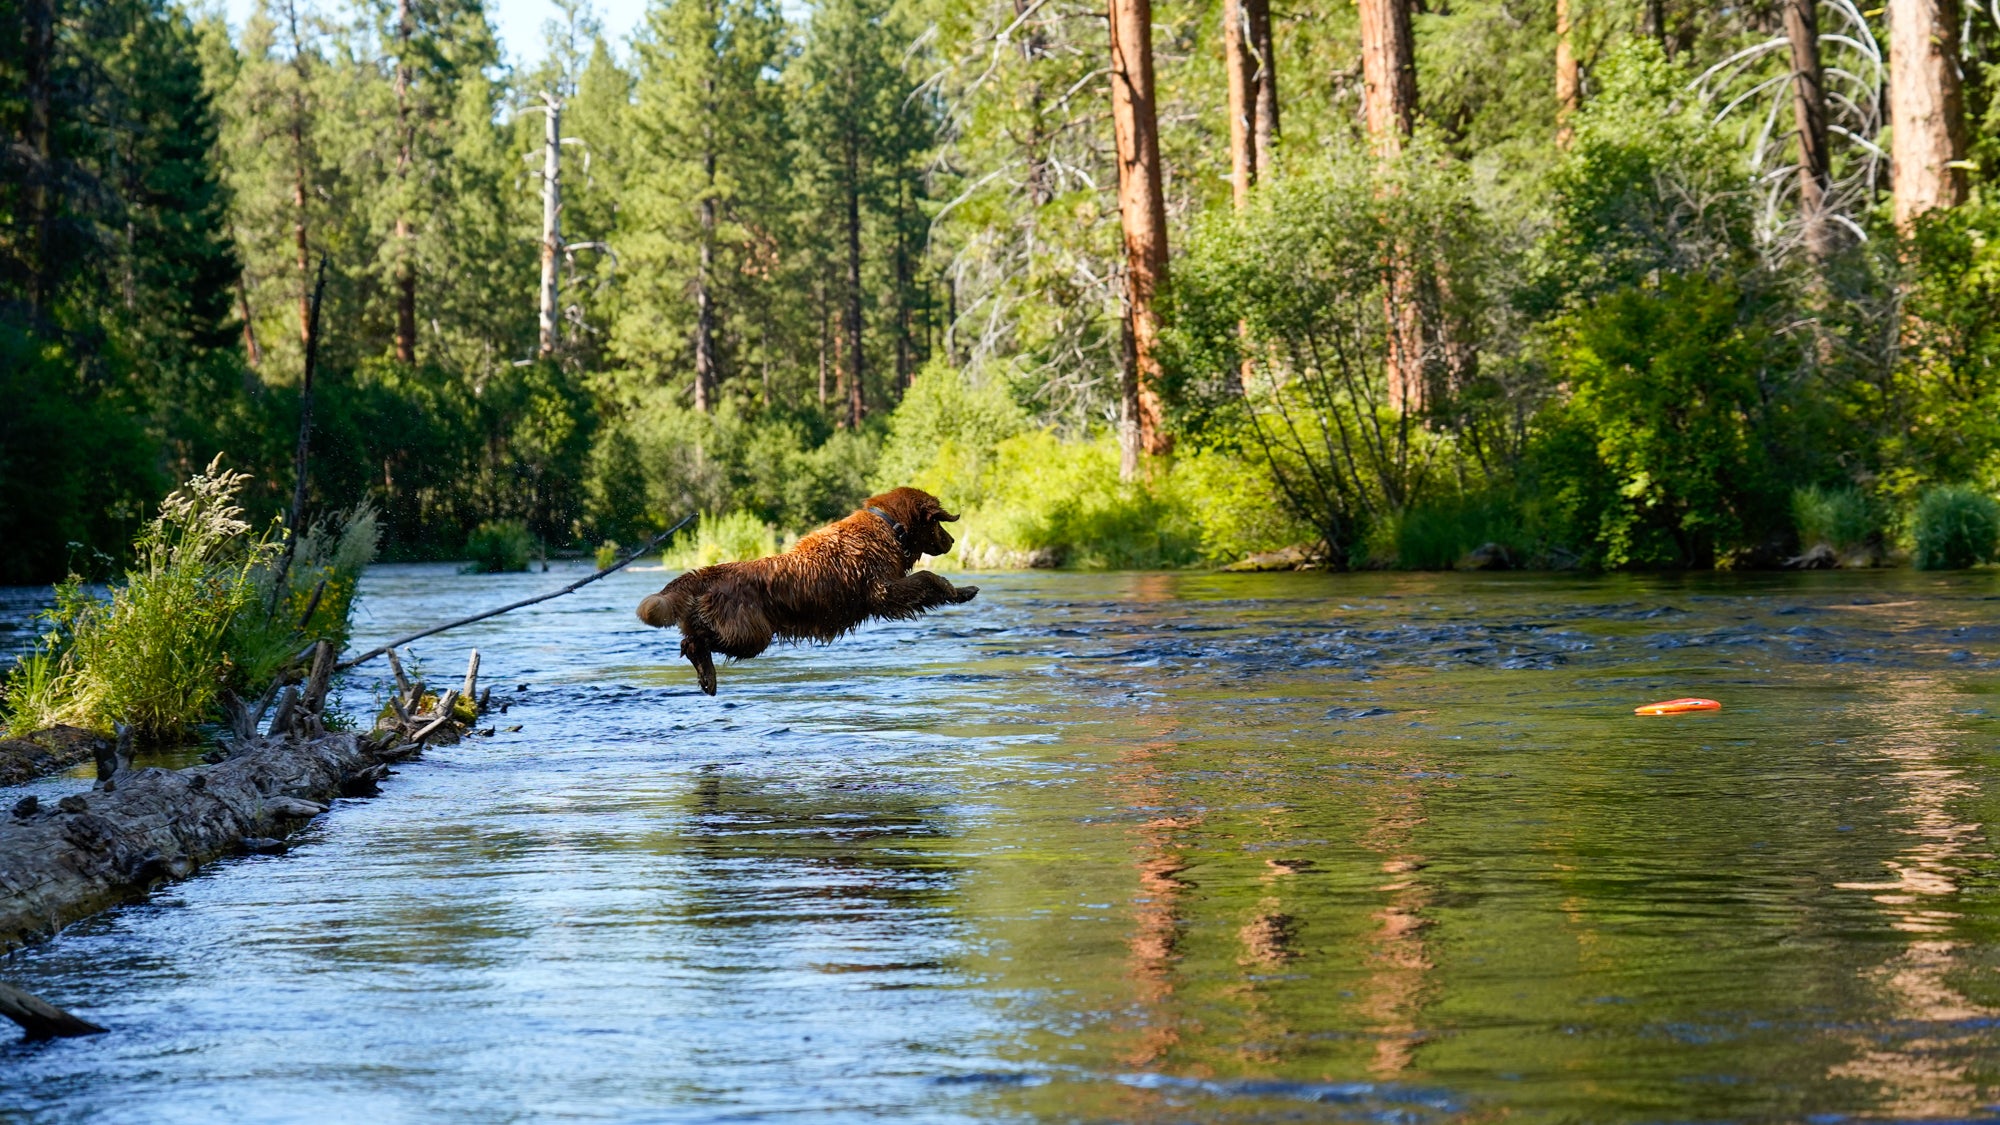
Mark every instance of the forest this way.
pixel 1400 283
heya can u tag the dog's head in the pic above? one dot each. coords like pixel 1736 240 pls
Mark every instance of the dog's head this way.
pixel 922 517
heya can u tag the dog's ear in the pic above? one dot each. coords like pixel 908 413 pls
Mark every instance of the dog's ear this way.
pixel 943 516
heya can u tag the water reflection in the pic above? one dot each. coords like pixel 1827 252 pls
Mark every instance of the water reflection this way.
pixel 1147 848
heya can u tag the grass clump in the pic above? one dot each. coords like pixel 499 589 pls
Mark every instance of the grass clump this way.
pixel 1839 519
pixel 499 547
pixel 1956 527
pixel 200 613
pixel 720 539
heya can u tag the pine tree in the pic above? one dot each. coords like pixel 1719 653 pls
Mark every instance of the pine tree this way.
pixel 705 174
pixel 860 127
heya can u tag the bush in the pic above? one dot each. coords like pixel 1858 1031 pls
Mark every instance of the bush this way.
pixel 1956 527
pixel 155 654
pixel 1659 458
pixel 1438 535
pixel 499 546
pixel 1839 519
pixel 731 538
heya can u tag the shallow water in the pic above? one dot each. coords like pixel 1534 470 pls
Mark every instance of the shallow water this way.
pixel 1121 847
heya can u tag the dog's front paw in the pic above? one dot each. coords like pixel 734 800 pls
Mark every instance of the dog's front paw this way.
pixel 963 594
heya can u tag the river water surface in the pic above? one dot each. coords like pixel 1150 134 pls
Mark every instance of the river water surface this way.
pixel 1115 847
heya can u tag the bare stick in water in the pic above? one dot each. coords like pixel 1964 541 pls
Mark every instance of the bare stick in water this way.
pixel 572 588
pixel 39 1018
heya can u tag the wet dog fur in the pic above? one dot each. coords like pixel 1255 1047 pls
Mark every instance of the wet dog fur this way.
pixel 828 583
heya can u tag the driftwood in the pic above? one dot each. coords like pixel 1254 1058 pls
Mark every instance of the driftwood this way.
pixel 140 826
pixel 45 752
pixel 572 588
pixel 39 1018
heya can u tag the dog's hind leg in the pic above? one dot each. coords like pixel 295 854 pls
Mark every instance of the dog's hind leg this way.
pixel 704 664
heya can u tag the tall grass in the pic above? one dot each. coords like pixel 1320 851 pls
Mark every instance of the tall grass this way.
pixel 1840 519
pixel 199 614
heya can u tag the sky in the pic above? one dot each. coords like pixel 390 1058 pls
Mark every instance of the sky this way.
pixel 519 22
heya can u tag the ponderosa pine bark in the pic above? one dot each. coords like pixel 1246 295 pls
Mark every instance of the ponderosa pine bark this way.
pixel 857 401
pixel 1569 80
pixel 1142 211
pixel 1809 116
pixel 1253 93
pixel 1389 80
pixel 1926 108
pixel 41 150
pixel 1264 47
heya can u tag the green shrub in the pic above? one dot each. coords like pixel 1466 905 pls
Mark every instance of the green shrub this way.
pixel 1660 458
pixel 1840 519
pixel 731 538
pixel 321 581
pixel 499 546
pixel 1956 527
pixel 155 654
pixel 606 554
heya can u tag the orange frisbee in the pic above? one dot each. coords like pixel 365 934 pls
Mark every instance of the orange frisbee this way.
pixel 1677 706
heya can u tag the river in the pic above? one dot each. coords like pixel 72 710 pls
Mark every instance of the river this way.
pixel 1115 847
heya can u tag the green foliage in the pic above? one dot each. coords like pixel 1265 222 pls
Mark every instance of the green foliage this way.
pixel 1439 534
pixel 1943 402
pixel 1840 519
pixel 1956 527
pixel 1659 456
pixel 1282 319
pixel 498 547
pixel 944 436
pixel 194 617
pixel 660 461
pixel 729 538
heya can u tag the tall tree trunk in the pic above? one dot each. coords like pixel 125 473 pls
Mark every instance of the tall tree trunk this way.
pixel 1265 87
pixel 1142 209
pixel 1569 80
pixel 905 341
pixel 1389 80
pixel 1656 26
pixel 1388 74
pixel 406 266
pixel 41 151
pixel 1239 59
pixel 251 352
pixel 552 242
pixel 1809 113
pixel 1926 108
pixel 704 300
pixel 825 333
pixel 857 401
pixel 300 244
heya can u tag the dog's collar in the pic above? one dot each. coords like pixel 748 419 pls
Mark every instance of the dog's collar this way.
pixel 895 528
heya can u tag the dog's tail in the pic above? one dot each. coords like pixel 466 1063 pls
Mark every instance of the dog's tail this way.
pixel 664 608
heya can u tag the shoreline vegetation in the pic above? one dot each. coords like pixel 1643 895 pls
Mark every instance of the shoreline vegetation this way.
pixel 1691 313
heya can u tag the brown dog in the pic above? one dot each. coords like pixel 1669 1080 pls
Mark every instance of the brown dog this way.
pixel 828 583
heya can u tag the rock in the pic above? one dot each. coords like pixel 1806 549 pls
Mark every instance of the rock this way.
pixel 1297 557
pixel 1819 557
pixel 72 804
pixel 26 806
pixel 1488 556
pixel 261 845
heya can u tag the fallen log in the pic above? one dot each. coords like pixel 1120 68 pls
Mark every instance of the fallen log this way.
pixel 45 752
pixel 89 851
